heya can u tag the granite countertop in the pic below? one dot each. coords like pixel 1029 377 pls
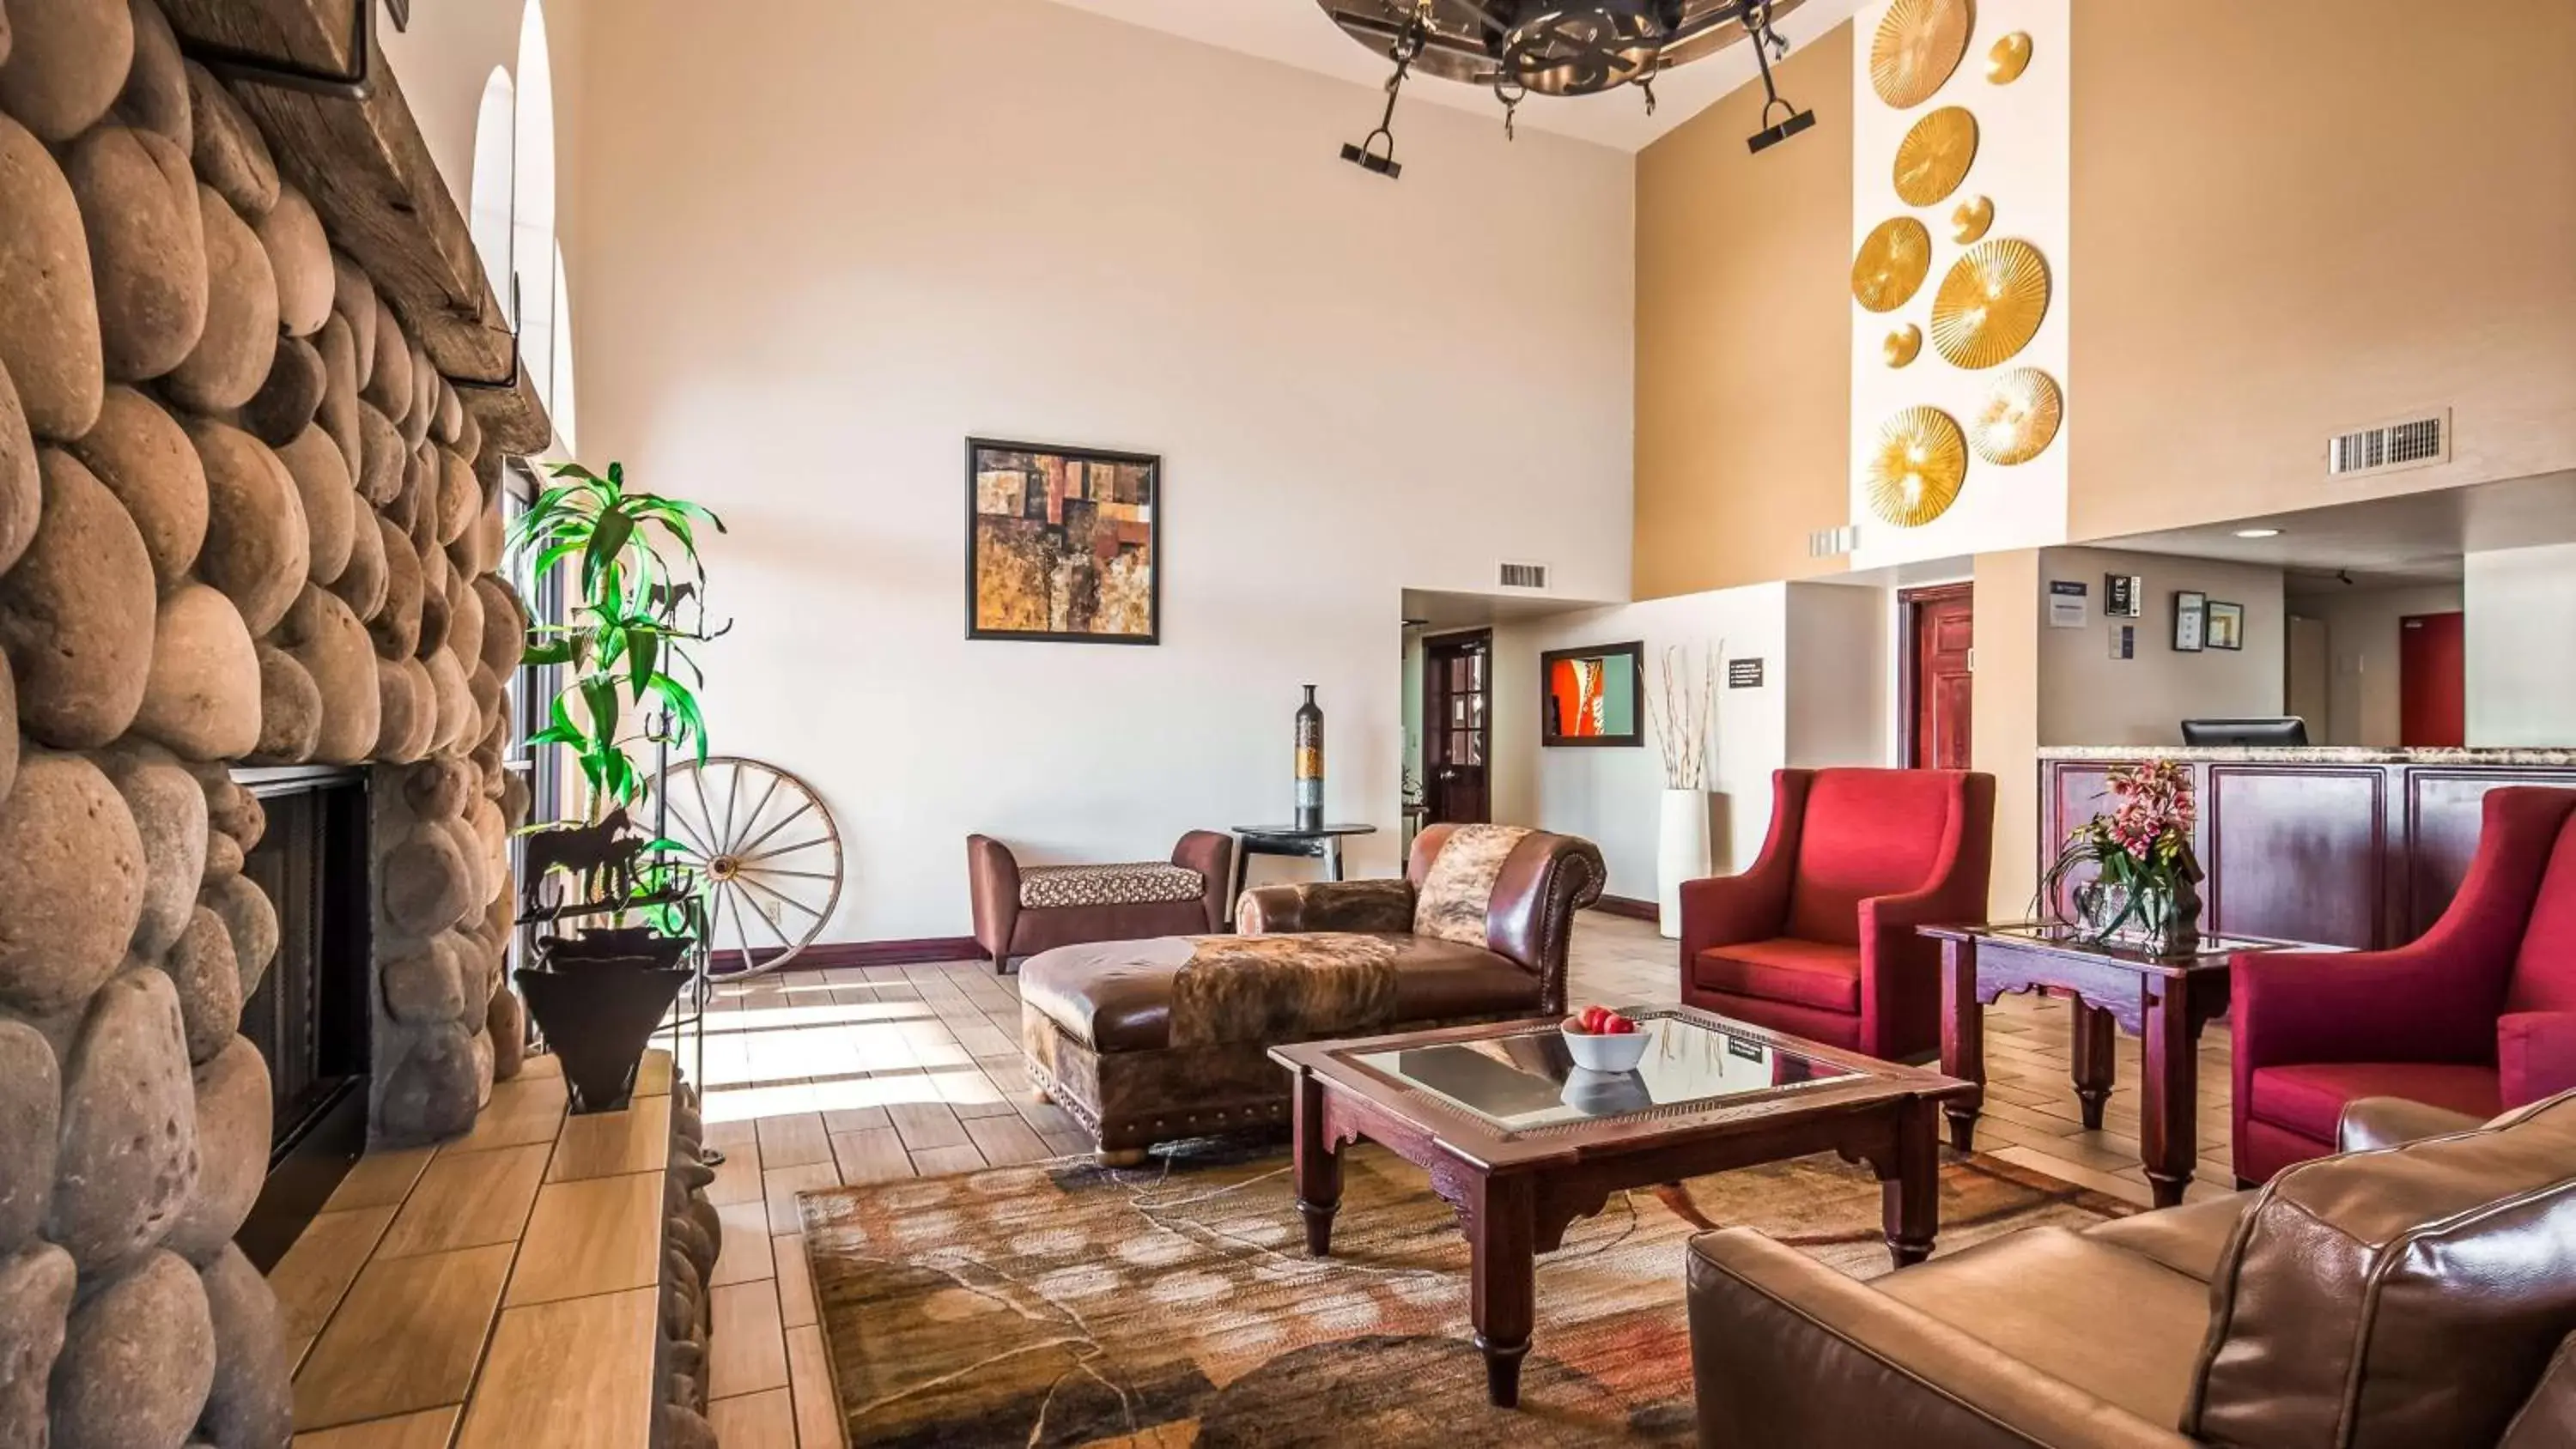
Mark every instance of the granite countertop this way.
pixel 2311 755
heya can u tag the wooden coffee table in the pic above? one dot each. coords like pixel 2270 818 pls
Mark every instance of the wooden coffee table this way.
pixel 1522 1144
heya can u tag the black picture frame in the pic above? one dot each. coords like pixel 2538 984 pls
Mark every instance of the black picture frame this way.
pixel 1549 735
pixel 2214 615
pixel 2191 620
pixel 976 449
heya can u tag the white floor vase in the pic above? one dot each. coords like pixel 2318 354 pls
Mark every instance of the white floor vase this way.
pixel 1681 853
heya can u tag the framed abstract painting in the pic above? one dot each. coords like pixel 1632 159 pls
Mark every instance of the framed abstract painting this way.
pixel 1590 696
pixel 1063 545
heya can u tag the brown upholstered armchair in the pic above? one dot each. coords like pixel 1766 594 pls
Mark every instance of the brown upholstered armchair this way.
pixel 2420 1288
pixel 1022 910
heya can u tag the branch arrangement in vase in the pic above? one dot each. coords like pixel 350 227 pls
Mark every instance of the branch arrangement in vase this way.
pixel 2146 883
pixel 1684 717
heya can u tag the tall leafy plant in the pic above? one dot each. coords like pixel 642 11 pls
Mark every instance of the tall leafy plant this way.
pixel 634 571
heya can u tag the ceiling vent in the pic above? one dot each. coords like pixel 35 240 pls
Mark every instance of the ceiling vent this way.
pixel 1522 575
pixel 2417 442
pixel 1833 542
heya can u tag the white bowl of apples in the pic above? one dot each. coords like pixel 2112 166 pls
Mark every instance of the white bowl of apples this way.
pixel 1604 1041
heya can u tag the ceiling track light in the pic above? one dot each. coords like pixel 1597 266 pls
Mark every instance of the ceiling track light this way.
pixel 1768 43
pixel 1404 52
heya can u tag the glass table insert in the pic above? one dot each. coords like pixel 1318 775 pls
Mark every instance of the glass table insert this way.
pixel 1526 1079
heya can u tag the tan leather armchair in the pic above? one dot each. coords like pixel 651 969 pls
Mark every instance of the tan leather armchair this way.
pixel 2418 1289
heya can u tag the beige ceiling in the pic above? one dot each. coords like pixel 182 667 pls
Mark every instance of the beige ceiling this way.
pixel 2406 539
pixel 1298 33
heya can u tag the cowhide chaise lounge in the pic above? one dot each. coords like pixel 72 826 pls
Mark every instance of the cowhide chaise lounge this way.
pixel 1158 1040
pixel 1022 910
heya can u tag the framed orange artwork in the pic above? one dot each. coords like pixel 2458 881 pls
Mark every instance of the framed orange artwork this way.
pixel 1589 696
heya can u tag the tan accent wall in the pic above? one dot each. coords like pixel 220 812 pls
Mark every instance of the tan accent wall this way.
pixel 2005 709
pixel 1743 342
pixel 2303 215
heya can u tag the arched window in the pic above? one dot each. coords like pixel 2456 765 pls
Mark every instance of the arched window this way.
pixel 495 167
pixel 513 216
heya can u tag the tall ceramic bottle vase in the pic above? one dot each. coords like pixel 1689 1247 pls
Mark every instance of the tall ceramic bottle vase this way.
pixel 1681 854
pixel 1310 763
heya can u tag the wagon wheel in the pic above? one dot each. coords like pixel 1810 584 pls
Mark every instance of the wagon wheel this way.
pixel 765 845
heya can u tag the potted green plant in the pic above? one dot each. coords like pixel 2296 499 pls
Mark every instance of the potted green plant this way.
pixel 2145 886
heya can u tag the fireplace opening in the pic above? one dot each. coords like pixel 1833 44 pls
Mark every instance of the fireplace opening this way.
pixel 311 1016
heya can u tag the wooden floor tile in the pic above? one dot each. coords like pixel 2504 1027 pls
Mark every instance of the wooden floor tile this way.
pixel 784 1183
pixel 527 1108
pixel 429 1429
pixel 873 1155
pixel 941 1161
pixel 605 1144
pixel 738 1176
pixel 765 1420
pixel 855 1119
pixel 380 1179
pixel 795 1280
pixel 1006 1140
pixel 749 1351
pixel 744 1253
pixel 597 1235
pixel 406 1339
pixel 571 1375
pixel 818 1419
pixel 466 1200
pixel 925 1125
pixel 324 1261
pixel 794 1141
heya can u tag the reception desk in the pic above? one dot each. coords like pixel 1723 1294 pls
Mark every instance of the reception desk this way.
pixel 2345 847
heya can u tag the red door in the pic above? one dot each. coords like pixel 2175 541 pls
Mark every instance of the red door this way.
pixel 1940 677
pixel 1456 681
pixel 2432 681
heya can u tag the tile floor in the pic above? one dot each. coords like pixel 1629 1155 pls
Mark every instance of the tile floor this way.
pixel 815 1078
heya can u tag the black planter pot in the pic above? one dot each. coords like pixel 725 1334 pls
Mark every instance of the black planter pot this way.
pixel 614 944
pixel 598 1017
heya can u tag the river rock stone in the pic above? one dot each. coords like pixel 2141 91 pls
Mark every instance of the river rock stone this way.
pixel 330 504
pixel 449 424
pixel 353 297
pixel 469 440
pixel 428 1089
pixel 76 613
pixel 410 709
pixel 202 968
pixel 169 813
pixel 424 399
pixel 460 498
pixel 30 1112
pixel 8 728
pixel 288 402
pixel 465 621
pixel 223 858
pixel 327 639
pixel 48 308
pixel 72 870
pixel 396 626
pixel 516 800
pixel 258 546
pixel 422 987
pixel 140 211
pixel 251 1404
pixel 239 341
pixel 230 807
pixel 389 385
pixel 438 789
pixel 456 715
pixel 22 490
pixel 363 581
pixel 156 85
pixel 337 413
pixel 229 153
pixel 128 1161
pixel 35 1306
pixel 202 697
pixel 290 709
pixel 233 1122
pixel 250 923
pixel 137 1360
pixel 427 882
pixel 507 1025
pixel 382 462
pixel 67 61
pixel 144 457
pixel 504 627
pixel 300 259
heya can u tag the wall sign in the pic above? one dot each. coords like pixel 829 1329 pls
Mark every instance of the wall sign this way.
pixel 1744 674
pixel 2190 610
pixel 2066 607
pixel 2124 641
pixel 2123 596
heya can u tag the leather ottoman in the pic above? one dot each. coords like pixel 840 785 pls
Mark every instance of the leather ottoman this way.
pixel 1163 1039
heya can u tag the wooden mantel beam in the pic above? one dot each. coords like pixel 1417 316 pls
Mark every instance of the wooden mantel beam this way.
pixel 368 172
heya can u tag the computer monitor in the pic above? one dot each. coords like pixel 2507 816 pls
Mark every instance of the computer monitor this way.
pixel 2286 730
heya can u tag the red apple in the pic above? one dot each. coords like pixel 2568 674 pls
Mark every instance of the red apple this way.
pixel 1590 1023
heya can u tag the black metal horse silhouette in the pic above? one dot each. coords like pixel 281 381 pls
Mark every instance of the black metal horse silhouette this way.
pixel 600 857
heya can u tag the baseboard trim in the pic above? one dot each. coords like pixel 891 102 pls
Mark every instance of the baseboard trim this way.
pixel 1633 909
pixel 841 955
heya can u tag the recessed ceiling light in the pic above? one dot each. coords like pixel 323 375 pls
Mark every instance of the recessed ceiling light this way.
pixel 2258 533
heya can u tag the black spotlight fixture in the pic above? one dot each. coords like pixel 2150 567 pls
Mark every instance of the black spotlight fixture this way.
pixel 1517 48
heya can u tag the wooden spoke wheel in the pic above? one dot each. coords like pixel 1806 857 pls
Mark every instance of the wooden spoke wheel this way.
pixel 766 847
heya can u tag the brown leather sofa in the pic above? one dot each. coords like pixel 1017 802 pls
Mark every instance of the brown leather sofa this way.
pixel 2419 1289
pixel 1158 1040
pixel 1022 910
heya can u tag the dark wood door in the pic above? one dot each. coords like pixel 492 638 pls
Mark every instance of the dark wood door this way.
pixel 1940 679
pixel 2432 681
pixel 1457 682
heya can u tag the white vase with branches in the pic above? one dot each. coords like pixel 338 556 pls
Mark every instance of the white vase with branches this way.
pixel 1683 713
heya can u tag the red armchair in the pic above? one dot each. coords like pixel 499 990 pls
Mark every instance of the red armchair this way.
pixel 2479 1016
pixel 1818 938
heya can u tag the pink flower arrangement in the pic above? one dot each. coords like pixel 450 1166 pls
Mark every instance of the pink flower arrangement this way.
pixel 2140 850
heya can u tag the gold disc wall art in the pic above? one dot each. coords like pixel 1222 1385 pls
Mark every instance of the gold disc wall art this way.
pixel 1903 345
pixel 1991 303
pixel 1919 42
pixel 1921 461
pixel 1969 220
pixel 2019 417
pixel 2008 58
pixel 1894 258
pixel 1935 156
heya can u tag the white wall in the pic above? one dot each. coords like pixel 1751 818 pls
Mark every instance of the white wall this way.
pixel 2521 628
pixel 2361 641
pixel 804 281
pixel 1841 694
pixel 2088 698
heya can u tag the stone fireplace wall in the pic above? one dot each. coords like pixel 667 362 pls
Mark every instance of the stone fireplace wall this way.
pixel 242 518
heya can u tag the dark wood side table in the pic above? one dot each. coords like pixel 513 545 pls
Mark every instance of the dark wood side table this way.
pixel 2163 999
pixel 1322 842
pixel 1523 1145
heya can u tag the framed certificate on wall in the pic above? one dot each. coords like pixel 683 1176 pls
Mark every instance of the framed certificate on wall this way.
pixel 2191 620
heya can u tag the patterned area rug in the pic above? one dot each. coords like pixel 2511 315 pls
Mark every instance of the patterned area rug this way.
pixel 1068 1304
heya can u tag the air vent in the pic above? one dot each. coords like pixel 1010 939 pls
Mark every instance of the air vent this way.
pixel 2417 442
pixel 1833 542
pixel 1523 575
